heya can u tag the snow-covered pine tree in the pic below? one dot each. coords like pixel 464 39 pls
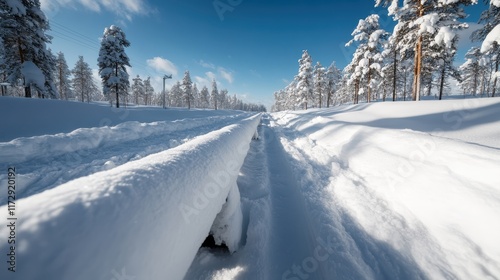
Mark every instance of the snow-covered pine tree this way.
pixel 319 83
pixel 83 81
pixel 138 90
pixel 63 77
pixel 425 19
pixel 471 71
pixel 305 80
pixel 365 67
pixel 333 78
pixel 223 99
pixel 112 62
pixel 148 91
pixel 491 29
pixel 187 89
pixel 214 95
pixel 196 96
pixel 176 95
pixel 22 32
pixel 204 97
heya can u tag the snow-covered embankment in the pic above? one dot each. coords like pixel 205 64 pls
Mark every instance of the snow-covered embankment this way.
pixel 145 219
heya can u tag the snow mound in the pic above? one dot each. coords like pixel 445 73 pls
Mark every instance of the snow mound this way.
pixel 144 219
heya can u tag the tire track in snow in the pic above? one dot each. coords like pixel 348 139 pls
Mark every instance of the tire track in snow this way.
pixel 292 241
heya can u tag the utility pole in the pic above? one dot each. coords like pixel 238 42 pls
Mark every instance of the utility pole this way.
pixel 164 101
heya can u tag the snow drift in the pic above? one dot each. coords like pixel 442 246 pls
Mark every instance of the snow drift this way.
pixel 144 219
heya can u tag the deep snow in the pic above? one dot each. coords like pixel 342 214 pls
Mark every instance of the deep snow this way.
pixel 404 190
pixel 372 191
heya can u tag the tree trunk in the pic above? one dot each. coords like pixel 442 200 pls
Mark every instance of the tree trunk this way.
pixel 495 80
pixel 369 92
pixel 395 65
pixel 356 92
pixel 27 91
pixel 116 88
pixel 417 70
pixel 441 85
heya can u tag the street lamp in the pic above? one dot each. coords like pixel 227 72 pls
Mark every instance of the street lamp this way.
pixel 164 78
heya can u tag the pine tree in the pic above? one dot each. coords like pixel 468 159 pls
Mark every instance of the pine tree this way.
pixel 490 20
pixel 176 95
pixel 214 96
pixel 366 66
pixel 223 98
pixel 138 89
pixel 204 97
pixel 424 20
pixel 196 96
pixel 187 89
pixel 305 80
pixel 148 91
pixel 112 62
pixel 62 77
pixel 83 81
pixel 22 32
pixel 471 71
pixel 319 83
pixel 333 78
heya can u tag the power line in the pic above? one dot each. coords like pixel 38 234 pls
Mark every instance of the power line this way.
pixel 68 34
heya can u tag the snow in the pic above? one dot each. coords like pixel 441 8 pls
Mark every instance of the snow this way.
pixel 372 191
pixel 146 217
pixel 445 36
pixel 32 74
pixel 492 37
pixel 16 7
pixel 394 190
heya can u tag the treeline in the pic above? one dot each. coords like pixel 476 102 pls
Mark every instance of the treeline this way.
pixel 415 60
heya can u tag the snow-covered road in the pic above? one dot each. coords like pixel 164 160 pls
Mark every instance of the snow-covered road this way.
pixel 381 191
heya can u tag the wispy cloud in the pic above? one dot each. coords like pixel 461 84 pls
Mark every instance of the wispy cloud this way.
pixel 162 65
pixel 122 8
pixel 206 64
pixel 226 75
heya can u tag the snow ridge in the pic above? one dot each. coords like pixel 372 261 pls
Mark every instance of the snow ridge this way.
pixel 146 218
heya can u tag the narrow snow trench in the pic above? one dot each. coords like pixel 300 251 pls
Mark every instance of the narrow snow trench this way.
pixel 277 237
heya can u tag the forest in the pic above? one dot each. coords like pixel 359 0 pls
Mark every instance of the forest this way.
pixel 416 60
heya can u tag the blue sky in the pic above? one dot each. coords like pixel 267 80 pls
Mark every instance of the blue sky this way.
pixel 250 47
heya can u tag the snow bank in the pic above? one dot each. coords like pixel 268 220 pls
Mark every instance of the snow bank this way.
pixel 406 190
pixel 36 117
pixel 143 220
pixel 23 149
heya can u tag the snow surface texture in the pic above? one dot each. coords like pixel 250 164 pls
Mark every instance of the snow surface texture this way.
pixel 399 190
pixel 396 190
pixel 145 218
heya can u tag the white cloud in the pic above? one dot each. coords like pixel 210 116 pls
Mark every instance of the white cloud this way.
pixel 123 8
pixel 226 75
pixel 206 64
pixel 205 80
pixel 211 76
pixel 162 65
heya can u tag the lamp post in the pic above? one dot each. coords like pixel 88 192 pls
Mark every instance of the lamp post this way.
pixel 164 78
